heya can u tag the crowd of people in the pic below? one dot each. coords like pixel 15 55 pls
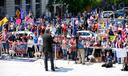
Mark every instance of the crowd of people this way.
pixel 64 32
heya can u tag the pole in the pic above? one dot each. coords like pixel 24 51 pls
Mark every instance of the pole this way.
pixel 55 52
pixel 55 56
pixel 0 44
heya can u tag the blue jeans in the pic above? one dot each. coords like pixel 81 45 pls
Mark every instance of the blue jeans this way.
pixel 5 46
pixel 64 52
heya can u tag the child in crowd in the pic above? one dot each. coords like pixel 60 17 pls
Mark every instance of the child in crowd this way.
pixel 108 61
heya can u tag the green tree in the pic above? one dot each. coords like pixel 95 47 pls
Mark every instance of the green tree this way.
pixel 76 6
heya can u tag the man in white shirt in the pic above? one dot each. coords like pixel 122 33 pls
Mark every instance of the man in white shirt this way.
pixel 40 43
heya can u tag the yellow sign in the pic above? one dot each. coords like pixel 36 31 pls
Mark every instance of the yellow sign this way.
pixel 3 21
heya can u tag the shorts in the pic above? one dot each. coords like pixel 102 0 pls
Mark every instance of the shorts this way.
pixel 5 45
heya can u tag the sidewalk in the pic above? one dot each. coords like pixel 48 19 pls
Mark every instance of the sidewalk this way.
pixel 36 68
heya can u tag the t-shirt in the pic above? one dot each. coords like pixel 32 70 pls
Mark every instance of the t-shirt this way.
pixel 35 39
pixel 64 44
pixel 80 45
pixel 5 37
pixel 40 40
pixel 30 43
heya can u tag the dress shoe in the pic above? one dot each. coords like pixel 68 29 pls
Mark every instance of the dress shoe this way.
pixel 46 69
pixel 122 69
pixel 53 69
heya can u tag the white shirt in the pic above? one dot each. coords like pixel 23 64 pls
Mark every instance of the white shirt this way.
pixel 40 40
pixel 30 43
pixel 127 30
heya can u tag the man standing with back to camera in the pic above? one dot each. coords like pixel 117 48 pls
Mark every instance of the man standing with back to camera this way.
pixel 47 49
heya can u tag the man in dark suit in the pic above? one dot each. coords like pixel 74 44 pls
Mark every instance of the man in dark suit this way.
pixel 47 49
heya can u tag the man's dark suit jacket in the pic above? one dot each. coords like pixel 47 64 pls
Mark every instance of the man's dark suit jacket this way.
pixel 47 43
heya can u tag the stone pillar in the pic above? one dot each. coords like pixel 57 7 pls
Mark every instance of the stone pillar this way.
pixel 10 7
pixel 43 6
pixel 54 9
pixel 34 7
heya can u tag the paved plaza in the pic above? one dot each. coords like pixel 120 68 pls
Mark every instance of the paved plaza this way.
pixel 66 68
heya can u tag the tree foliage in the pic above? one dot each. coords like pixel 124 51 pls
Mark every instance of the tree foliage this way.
pixel 76 6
